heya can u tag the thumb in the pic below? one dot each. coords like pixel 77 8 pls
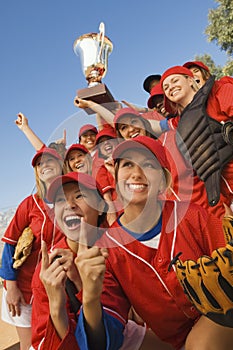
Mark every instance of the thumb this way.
pixel 83 244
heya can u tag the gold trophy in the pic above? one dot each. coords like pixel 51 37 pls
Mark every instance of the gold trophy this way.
pixel 93 50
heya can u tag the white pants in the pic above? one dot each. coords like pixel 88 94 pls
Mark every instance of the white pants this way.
pixel 24 320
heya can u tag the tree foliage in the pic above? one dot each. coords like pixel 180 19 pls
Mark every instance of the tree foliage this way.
pixel 208 61
pixel 218 71
pixel 220 28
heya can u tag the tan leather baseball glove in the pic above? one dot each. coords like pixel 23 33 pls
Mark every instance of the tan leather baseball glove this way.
pixel 23 247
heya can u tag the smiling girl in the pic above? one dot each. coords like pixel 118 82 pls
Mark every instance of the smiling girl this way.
pixel 180 92
pixel 142 243
pixel 78 205
pixel 78 159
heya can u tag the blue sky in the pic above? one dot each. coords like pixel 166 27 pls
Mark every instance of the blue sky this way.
pixel 40 74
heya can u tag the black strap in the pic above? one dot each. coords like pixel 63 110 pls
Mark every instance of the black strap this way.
pixel 200 140
pixel 71 292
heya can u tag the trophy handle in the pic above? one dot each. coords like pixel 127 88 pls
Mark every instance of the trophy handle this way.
pixel 101 36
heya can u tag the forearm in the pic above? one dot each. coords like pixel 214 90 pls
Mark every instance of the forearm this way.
pixel 60 319
pixel 94 326
pixel 32 138
pixel 103 112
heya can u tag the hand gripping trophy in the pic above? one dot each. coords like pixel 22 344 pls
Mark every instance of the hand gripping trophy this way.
pixel 93 50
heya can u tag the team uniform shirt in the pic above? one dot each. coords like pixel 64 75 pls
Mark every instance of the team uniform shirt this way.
pixel 181 172
pixel 105 180
pixel 137 274
pixel 33 212
pixel 220 107
pixel 44 335
pixel 103 176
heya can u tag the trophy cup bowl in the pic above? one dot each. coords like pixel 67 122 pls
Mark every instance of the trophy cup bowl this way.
pixel 93 50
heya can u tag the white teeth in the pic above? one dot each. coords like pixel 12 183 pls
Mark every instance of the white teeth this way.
pixel 174 92
pixel 136 186
pixel 163 110
pixel 79 166
pixel 72 220
pixel 134 135
pixel 72 217
pixel 46 170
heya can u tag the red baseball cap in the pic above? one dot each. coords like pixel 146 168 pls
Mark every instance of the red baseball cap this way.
pixel 76 146
pixel 149 79
pixel 196 63
pixel 87 127
pixel 142 142
pixel 46 150
pixel 155 91
pixel 110 132
pixel 175 70
pixel 81 178
pixel 125 111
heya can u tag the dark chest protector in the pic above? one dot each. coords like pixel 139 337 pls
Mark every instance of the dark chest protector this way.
pixel 202 142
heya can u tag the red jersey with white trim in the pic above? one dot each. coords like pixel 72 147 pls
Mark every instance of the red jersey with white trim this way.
pixel 103 177
pixel 33 212
pixel 138 274
pixel 44 335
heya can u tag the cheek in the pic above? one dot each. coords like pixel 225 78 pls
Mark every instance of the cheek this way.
pixel 102 149
pixel 121 177
pixel 59 170
pixel 142 132
pixel 91 216
pixel 58 215
pixel 123 133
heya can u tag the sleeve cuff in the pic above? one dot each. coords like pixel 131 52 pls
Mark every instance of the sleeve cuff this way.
pixel 113 328
pixel 7 272
pixel 164 125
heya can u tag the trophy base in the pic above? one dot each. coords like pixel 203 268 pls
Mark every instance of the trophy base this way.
pixel 98 93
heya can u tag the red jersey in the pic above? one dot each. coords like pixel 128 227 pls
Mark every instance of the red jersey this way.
pixel 33 212
pixel 44 335
pixel 138 274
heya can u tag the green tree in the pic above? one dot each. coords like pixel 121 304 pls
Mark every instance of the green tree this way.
pixel 220 28
pixel 220 31
pixel 208 61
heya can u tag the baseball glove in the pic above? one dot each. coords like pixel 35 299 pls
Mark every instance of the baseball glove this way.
pixel 23 247
pixel 208 283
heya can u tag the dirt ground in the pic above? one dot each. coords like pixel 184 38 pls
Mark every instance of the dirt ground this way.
pixel 8 333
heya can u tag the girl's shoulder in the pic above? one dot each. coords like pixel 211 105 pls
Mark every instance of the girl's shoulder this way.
pixel 226 81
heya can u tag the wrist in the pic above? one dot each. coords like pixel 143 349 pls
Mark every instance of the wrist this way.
pixel 89 301
pixel 24 128
pixel 11 285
